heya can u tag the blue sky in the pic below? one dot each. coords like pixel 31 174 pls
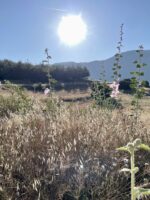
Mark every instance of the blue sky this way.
pixel 27 27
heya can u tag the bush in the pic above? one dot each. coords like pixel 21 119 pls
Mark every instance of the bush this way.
pixel 145 84
pixel 16 102
pixel 101 93
pixel 125 85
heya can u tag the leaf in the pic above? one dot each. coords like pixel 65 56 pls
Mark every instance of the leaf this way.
pixel 135 170
pixel 144 64
pixel 144 147
pixel 125 148
pixel 135 62
pixel 138 65
pixel 137 142
pixel 142 192
pixel 141 55
pixel 125 170
pixel 141 73
pixel 132 73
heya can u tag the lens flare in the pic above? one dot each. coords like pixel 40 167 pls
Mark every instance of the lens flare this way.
pixel 72 30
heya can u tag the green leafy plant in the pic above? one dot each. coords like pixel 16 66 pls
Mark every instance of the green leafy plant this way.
pixel 116 69
pixel 103 73
pixel 145 83
pixel 124 85
pixel 101 93
pixel 136 83
pixel 16 102
pixel 105 94
pixel 131 148
pixel 117 66
pixel 51 81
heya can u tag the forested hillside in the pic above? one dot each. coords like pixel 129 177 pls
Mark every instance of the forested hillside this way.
pixel 28 73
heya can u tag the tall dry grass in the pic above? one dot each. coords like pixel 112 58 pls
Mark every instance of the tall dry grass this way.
pixel 56 148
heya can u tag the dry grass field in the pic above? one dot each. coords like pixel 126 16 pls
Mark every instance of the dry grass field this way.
pixel 63 146
pixel 82 99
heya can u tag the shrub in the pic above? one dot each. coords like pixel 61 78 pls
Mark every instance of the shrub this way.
pixel 16 102
pixel 125 85
pixel 101 90
pixel 52 104
pixel 145 84
pixel 101 93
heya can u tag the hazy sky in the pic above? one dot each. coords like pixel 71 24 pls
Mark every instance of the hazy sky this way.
pixel 27 27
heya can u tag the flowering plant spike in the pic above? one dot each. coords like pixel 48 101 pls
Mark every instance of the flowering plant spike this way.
pixel 115 89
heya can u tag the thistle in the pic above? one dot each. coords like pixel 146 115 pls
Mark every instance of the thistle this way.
pixel 131 148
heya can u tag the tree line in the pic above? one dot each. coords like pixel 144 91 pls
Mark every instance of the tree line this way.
pixel 20 72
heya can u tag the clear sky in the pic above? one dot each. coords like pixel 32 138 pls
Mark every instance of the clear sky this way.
pixel 27 27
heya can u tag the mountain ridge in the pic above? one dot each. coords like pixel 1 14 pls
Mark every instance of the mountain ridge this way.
pixel 127 60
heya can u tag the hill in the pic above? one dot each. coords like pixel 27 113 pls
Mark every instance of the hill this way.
pixel 127 60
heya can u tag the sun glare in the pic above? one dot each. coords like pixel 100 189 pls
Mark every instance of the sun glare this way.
pixel 72 30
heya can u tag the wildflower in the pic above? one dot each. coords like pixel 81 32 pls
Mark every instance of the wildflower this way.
pixel 115 89
pixel 46 91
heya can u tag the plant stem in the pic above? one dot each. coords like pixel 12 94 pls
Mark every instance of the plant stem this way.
pixel 132 176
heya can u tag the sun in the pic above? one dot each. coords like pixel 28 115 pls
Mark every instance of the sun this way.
pixel 72 30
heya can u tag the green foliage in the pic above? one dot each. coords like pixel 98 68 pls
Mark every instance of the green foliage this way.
pixel 29 73
pixel 103 73
pixel 145 83
pixel 125 85
pixel 16 102
pixel 105 95
pixel 101 94
pixel 136 86
pixel 51 80
pixel 101 90
pixel 69 74
pixel 136 192
pixel 117 66
pixel 52 104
